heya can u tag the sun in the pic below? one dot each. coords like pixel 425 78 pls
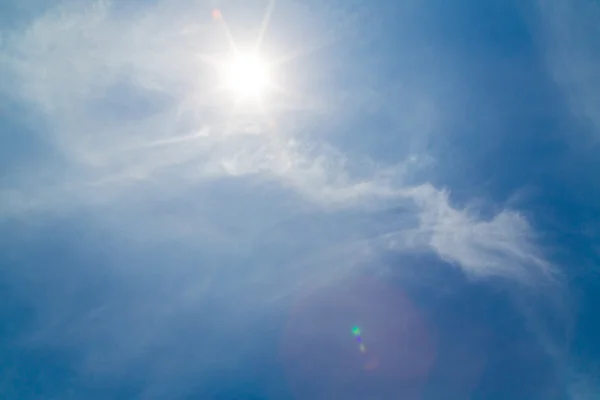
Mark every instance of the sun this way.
pixel 247 76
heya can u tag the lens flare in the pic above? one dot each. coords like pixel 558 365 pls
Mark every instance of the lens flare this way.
pixel 356 333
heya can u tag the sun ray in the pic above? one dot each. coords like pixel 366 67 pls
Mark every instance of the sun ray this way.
pixel 289 57
pixel 265 24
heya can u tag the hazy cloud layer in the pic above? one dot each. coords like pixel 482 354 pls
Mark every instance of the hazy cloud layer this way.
pixel 143 147
pixel 126 99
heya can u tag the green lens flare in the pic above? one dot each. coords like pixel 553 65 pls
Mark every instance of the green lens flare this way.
pixel 356 331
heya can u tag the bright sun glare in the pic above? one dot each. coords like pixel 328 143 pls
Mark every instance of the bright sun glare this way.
pixel 247 76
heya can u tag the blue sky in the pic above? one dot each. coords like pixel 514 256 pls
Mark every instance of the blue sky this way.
pixel 425 170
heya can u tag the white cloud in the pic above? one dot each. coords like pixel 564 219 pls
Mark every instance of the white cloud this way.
pixel 500 246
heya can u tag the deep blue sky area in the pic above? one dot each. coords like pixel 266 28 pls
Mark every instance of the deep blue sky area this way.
pixel 178 221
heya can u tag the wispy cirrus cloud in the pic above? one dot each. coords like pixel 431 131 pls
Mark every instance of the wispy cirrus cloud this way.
pixel 155 154
pixel 130 98
pixel 570 37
